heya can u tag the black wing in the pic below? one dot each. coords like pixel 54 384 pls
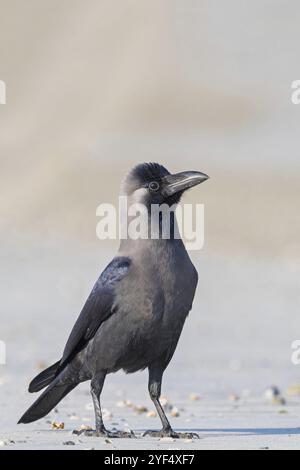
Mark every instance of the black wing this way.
pixel 98 307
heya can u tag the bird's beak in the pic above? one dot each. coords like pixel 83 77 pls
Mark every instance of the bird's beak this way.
pixel 180 182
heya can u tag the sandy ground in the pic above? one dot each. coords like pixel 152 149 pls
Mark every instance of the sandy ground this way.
pixel 219 423
pixel 236 343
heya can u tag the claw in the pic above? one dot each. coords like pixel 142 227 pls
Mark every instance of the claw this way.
pixel 104 433
pixel 123 434
pixel 170 433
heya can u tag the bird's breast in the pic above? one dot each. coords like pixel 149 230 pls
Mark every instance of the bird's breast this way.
pixel 160 286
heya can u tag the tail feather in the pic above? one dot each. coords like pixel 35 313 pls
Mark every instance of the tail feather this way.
pixel 47 401
pixel 44 378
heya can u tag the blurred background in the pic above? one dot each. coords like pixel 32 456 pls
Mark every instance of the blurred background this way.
pixel 95 87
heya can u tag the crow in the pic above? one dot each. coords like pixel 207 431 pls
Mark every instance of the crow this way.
pixel 134 315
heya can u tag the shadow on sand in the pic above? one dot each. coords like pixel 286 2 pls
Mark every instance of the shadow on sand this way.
pixel 245 431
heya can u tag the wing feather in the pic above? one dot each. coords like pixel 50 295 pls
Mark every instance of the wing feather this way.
pixel 98 307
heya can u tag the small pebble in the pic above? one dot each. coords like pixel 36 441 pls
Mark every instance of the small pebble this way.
pixel 84 427
pixel 121 404
pixel 293 390
pixel 278 401
pixel 272 392
pixel 69 443
pixel 175 412
pixel 273 395
pixel 166 404
pixel 56 425
pixel 124 404
pixel 140 409
pixel 233 397
pixel 194 397
pixel 106 414
pixel 151 414
pixel 6 443
pixel 73 417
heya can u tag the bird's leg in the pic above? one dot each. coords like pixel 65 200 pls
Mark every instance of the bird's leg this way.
pixel 96 389
pixel 100 431
pixel 154 387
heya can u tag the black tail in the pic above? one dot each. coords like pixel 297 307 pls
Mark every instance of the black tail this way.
pixel 44 378
pixel 47 401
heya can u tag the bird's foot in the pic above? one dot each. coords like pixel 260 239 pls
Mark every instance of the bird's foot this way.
pixel 103 432
pixel 168 432
pixel 122 434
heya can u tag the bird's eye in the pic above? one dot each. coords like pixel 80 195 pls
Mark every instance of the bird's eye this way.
pixel 154 186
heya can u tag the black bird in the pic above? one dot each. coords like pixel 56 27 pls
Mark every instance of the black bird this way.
pixel 134 316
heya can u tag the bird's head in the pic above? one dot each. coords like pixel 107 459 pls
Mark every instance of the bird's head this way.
pixel 151 183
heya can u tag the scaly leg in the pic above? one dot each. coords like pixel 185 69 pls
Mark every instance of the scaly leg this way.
pixel 100 431
pixel 154 387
